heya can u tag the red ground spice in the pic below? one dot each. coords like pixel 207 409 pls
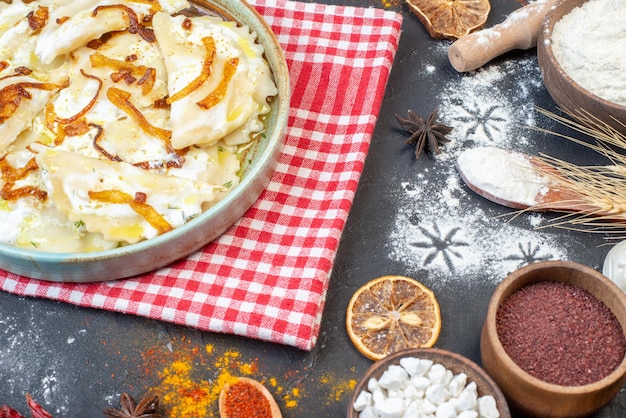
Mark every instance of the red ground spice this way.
pixel 560 333
pixel 244 401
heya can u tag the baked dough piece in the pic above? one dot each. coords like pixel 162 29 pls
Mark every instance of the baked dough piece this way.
pixel 93 73
pixel 16 40
pixel 71 178
pixel 21 99
pixel 218 80
pixel 74 23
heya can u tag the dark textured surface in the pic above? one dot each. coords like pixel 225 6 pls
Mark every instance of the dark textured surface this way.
pixel 77 361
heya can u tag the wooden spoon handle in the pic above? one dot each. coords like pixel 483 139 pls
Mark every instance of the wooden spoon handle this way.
pixel 519 31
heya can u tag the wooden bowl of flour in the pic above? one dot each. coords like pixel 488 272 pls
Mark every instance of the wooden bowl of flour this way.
pixel 570 95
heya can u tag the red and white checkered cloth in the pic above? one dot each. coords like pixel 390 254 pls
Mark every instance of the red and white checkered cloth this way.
pixel 268 275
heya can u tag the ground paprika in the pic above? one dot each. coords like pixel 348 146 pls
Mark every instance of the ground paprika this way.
pixel 244 400
pixel 247 398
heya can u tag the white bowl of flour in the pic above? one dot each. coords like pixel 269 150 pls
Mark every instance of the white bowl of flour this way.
pixel 581 56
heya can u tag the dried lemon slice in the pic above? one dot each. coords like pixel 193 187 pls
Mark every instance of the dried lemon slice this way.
pixel 451 19
pixel 392 313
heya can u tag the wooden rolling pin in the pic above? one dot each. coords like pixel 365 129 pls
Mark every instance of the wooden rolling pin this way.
pixel 518 31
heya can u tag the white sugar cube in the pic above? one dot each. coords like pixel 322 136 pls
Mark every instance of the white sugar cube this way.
pixel 389 408
pixel 472 388
pixel 368 412
pixel 420 382
pixel 412 393
pixel 378 395
pixel 393 378
pixel 424 367
pixel 487 407
pixel 413 410
pixel 437 393
pixel 428 407
pixel 468 414
pixel 410 364
pixel 372 384
pixel 446 410
pixel 437 373
pixel 457 384
pixel 466 401
pixel 363 400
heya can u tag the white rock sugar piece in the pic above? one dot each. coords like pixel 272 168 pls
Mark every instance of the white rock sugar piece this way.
pixel 437 373
pixel 362 401
pixel 372 384
pixel 457 384
pixel 437 393
pixel 412 366
pixel 416 389
pixel 487 407
pixel 368 413
pixel 446 410
pixel 389 408
pixel 393 378
pixel 505 175
pixel 420 382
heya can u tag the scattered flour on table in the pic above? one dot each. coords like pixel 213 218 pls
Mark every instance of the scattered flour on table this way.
pixel 439 227
pixel 21 341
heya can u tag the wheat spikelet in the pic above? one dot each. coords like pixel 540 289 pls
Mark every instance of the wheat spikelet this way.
pixel 602 189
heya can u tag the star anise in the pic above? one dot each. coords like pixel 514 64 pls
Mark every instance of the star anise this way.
pixel 424 134
pixel 146 408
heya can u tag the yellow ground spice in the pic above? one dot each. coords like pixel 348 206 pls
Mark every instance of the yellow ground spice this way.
pixel 191 378
pixel 289 396
pixel 337 387
pixel 185 396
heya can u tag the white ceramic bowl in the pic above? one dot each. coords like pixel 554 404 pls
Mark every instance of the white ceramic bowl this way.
pixel 149 255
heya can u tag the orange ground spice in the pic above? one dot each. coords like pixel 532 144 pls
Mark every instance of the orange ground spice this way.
pixel 337 387
pixel 185 396
pixel 243 400
pixel 191 378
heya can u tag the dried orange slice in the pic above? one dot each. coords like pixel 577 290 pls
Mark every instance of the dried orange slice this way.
pixel 451 19
pixel 392 313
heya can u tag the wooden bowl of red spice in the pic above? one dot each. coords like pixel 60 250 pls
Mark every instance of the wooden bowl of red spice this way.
pixel 554 339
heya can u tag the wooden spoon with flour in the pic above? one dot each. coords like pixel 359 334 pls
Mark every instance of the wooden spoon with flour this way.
pixel 518 181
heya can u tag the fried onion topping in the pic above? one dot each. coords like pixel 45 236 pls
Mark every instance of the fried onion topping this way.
pixel 217 95
pixel 11 96
pixel 10 175
pixel 137 203
pixel 134 26
pixel 37 19
pixel 205 72
pixel 89 105
pixel 121 99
